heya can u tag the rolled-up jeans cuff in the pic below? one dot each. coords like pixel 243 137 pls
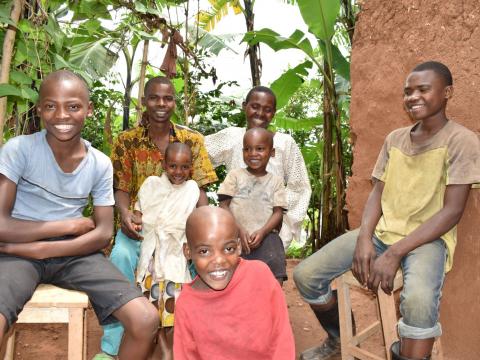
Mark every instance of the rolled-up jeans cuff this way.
pixel 411 332
pixel 321 300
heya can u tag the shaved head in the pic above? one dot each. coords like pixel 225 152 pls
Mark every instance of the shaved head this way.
pixel 208 221
pixel 260 132
pixel 64 75
pixel 178 148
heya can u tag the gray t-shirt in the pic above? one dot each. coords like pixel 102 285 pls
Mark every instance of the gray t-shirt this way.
pixel 253 198
pixel 44 191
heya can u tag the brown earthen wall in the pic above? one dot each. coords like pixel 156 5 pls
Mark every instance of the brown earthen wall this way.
pixel 391 37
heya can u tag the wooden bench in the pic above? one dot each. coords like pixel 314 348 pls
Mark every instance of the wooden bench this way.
pixel 386 321
pixel 51 304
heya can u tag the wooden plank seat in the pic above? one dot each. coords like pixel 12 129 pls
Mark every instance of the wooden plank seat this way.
pixel 51 304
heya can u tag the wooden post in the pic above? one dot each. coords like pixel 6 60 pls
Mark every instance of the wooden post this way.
pixel 141 80
pixel 7 51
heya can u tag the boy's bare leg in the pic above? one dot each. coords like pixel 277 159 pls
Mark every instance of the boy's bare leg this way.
pixel 164 347
pixel 416 349
pixel 3 330
pixel 140 320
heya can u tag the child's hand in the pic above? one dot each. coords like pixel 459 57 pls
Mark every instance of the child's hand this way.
pixel 256 239
pixel 128 226
pixel 244 240
pixel 82 226
pixel 137 220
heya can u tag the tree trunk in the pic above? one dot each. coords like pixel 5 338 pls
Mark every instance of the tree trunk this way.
pixel 127 96
pixel 349 18
pixel 253 51
pixel 7 53
pixel 327 229
pixel 141 80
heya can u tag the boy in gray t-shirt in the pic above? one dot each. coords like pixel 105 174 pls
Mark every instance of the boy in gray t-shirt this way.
pixel 45 181
pixel 257 200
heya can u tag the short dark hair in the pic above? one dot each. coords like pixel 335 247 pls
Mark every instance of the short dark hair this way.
pixel 178 147
pixel 63 74
pixel 262 89
pixel 440 69
pixel 157 80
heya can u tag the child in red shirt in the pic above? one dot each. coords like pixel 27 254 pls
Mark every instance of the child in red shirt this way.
pixel 234 308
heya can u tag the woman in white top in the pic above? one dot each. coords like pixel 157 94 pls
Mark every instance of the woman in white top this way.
pixel 225 148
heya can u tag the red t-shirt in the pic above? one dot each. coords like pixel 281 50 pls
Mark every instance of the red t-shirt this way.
pixel 248 320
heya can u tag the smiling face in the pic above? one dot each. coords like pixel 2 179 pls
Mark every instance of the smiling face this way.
pixel 178 165
pixel 213 246
pixel 257 150
pixel 63 106
pixel 425 95
pixel 259 109
pixel 159 101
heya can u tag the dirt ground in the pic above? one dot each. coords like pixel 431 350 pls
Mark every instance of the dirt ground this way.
pixel 49 342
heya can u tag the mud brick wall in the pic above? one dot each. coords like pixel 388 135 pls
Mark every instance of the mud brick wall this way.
pixel 391 37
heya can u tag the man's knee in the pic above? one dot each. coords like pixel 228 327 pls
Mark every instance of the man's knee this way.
pixel 419 308
pixel 140 318
pixel 301 273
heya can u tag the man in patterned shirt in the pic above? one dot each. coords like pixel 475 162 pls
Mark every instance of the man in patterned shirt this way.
pixel 137 154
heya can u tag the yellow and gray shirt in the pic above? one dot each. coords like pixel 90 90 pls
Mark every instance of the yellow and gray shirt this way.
pixel 416 176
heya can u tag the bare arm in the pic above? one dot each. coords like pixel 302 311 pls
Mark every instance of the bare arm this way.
pixel 14 230
pixel 128 225
pixel 203 199
pixel 365 253
pixel 385 267
pixel 272 223
pixel 88 243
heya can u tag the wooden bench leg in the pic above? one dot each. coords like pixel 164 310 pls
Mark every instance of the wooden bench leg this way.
pixel 75 334
pixel 10 344
pixel 344 312
pixel 389 319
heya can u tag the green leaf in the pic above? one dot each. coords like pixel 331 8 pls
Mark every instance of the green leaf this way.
pixel 9 90
pixel 297 40
pixel 61 63
pixel 214 43
pixel 92 57
pixel 24 26
pixel 282 121
pixel 178 84
pixel 55 33
pixel 29 94
pixel 286 85
pixel 340 64
pixel 320 16
pixel 20 78
pixel 91 25
pixel 5 10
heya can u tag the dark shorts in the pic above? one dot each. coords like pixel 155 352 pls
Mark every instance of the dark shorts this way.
pixel 272 253
pixel 106 287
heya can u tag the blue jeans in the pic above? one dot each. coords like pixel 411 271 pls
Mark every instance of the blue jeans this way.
pixel 124 256
pixel 423 276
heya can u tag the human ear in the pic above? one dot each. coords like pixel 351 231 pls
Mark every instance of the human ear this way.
pixel 186 251
pixel 90 109
pixel 244 105
pixel 448 92
pixel 272 153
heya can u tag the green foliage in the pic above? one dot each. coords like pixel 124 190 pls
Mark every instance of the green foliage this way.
pixel 320 16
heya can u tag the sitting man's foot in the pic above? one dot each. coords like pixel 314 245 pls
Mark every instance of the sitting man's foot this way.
pixel 104 356
pixel 329 348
